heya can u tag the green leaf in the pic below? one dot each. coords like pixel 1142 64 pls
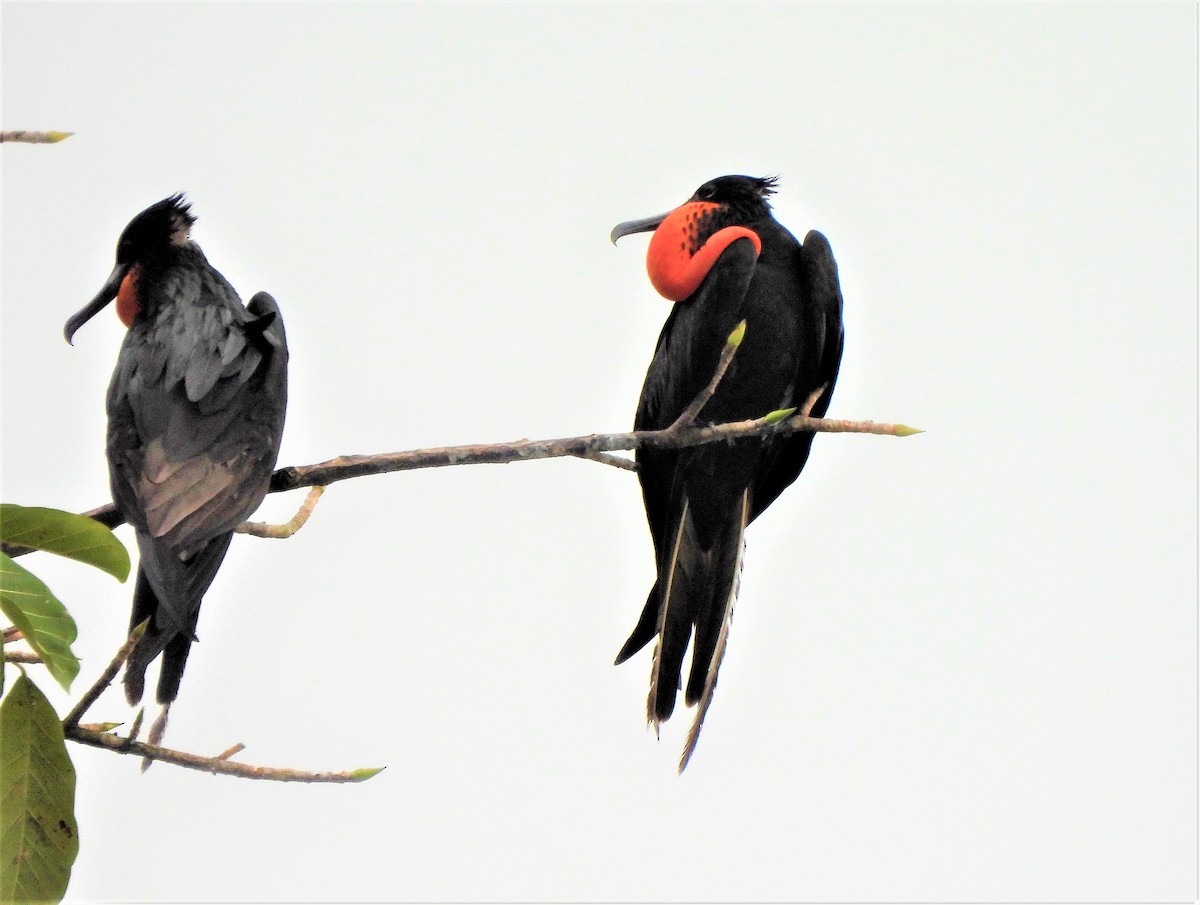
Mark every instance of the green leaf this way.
pixel 39 838
pixel 45 623
pixel 778 415
pixel 365 773
pixel 903 430
pixel 739 333
pixel 65 533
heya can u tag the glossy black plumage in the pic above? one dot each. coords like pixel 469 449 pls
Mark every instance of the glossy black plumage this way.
pixel 195 417
pixel 699 500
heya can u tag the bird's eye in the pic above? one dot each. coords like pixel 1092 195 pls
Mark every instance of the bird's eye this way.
pixel 706 192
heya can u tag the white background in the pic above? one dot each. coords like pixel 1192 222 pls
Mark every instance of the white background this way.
pixel 962 665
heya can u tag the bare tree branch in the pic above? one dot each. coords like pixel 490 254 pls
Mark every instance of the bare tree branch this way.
pixel 21 656
pixel 98 736
pixel 106 677
pixel 113 742
pixel 346 467
pixel 596 447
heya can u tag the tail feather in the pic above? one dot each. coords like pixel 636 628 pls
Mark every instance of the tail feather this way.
pixel 707 665
pixel 643 632
pixel 672 630
pixel 174 660
pixel 696 590
pixel 145 606
pixel 714 616
pixel 172 627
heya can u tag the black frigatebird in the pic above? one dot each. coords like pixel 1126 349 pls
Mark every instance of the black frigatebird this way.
pixel 195 415
pixel 723 258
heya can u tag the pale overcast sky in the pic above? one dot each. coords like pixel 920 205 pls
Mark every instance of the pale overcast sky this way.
pixel 962 665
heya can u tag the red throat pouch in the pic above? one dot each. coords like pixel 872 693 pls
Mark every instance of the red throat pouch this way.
pixel 677 260
pixel 127 299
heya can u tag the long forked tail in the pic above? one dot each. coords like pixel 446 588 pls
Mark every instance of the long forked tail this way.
pixel 165 636
pixel 698 590
pixel 172 627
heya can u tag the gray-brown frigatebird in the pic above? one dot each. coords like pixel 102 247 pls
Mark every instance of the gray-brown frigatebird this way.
pixel 723 258
pixel 195 415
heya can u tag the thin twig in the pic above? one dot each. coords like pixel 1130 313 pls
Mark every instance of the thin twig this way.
pixel 231 751
pixel 689 414
pixel 807 408
pixel 110 672
pixel 136 729
pixel 216 765
pixel 286 530
pixel 12 633
pixel 21 656
pixel 34 138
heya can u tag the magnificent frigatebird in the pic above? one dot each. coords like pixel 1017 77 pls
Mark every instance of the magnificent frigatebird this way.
pixel 195 415
pixel 723 258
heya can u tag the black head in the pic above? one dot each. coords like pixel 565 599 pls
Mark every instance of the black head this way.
pixel 745 195
pixel 151 235
pixel 743 200
pixel 155 230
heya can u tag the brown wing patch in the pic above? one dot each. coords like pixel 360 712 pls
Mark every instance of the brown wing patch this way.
pixel 199 491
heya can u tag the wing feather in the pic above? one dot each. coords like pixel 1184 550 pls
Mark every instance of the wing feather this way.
pixel 195 417
pixel 821 340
